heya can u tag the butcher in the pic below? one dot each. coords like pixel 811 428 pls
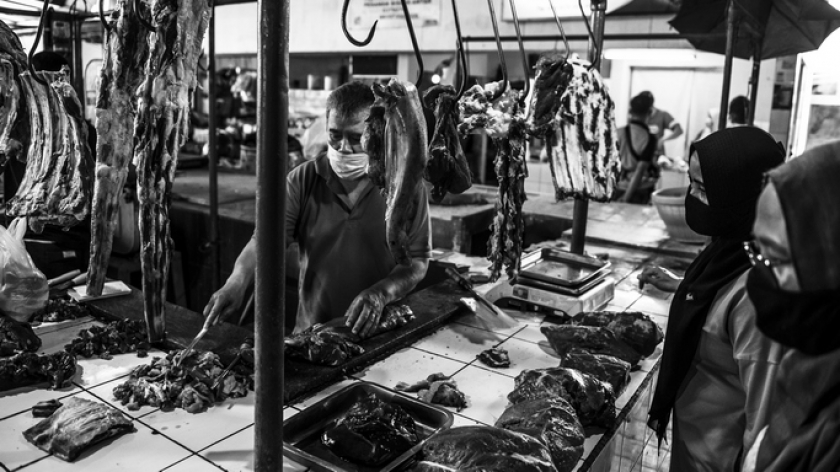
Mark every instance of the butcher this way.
pixel 337 217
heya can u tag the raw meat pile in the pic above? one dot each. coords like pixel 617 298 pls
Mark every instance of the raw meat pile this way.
pixel 27 369
pixel 160 129
pixel 57 310
pixel 334 344
pixel 504 122
pixel 76 426
pixel 572 111
pixel 16 337
pixel 436 388
pixel 372 432
pixel 447 169
pixel 195 385
pixel 57 184
pixel 117 337
pixel 395 140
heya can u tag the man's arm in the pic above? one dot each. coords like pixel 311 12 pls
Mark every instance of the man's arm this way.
pixel 675 131
pixel 635 181
pixel 365 311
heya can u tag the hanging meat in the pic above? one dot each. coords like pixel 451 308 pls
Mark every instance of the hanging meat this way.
pixel 160 129
pixel 398 156
pixel 57 184
pixel 14 129
pixel 125 53
pixel 504 122
pixel 447 169
pixel 572 111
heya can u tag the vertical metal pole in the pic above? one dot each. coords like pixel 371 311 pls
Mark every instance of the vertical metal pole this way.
pixel 213 155
pixel 756 70
pixel 272 130
pixel 731 33
pixel 581 211
pixel 78 73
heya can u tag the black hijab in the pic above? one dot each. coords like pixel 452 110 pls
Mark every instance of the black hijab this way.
pixel 733 162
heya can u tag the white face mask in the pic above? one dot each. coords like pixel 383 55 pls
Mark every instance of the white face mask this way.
pixel 348 166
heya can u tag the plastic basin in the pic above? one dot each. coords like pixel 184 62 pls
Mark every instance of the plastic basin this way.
pixel 670 203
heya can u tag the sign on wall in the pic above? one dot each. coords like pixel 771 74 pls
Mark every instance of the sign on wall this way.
pixel 362 13
pixel 540 10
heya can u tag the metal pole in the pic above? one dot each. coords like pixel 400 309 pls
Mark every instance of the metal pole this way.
pixel 78 73
pixel 731 32
pixel 585 37
pixel 581 211
pixel 756 70
pixel 213 155
pixel 272 130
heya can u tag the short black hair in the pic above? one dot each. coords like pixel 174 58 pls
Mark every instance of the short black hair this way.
pixel 647 95
pixel 350 98
pixel 738 109
pixel 640 105
pixel 49 61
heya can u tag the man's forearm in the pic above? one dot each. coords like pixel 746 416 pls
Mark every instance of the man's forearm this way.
pixel 402 280
pixel 675 133
pixel 246 264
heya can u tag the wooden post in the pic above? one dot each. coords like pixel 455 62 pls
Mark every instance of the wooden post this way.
pixel 756 70
pixel 731 39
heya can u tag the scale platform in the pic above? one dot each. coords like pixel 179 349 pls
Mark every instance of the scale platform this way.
pixel 530 298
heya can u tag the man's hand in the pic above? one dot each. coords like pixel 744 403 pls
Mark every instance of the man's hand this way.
pixel 224 302
pixel 365 311
pixel 660 278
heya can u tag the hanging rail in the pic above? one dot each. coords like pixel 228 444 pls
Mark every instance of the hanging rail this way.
pixel 504 86
pixel 461 54
pixel 417 54
pixel 35 45
pixel 560 28
pixel 347 34
pixel 525 68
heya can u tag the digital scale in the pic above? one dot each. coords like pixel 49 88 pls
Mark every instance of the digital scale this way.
pixel 551 280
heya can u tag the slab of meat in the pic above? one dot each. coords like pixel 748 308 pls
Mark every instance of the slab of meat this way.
pixel 554 422
pixel 495 357
pixel 124 57
pixel 592 399
pixel 57 184
pixel 27 369
pixel 596 340
pixel 372 432
pixel 484 449
pixel 636 329
pixel 14 126
pixel 447 169
pixel 160 129
pixel 608 369
pixel 404 155
pixel 504 123
pixel 572 111
pixel 76 426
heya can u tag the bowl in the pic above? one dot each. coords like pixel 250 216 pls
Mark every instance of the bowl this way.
pixel 670 203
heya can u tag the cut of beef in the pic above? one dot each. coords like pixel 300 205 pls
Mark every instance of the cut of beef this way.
pixel 608 369
pixel 27 369
pixel 592 399
pixel 372 432
pixel 495 357
pixel 447 169
pixel 636 329
pixel 14 126
pixel 484 449
pixel 436 388
pixel 554 422
pixel 596 340
pixel 76 426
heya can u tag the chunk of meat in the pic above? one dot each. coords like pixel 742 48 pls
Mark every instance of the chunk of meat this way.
pixel 608 369
pixel 16 336
pixel 596 340
pixel 447 169
pixel 495 357
pixel 28 369
pixel 484 449
pixel 592 399
pixel 635 328
pixel 436 388
pixel 554 422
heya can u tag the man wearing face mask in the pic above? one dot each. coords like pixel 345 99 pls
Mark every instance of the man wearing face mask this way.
pixel 716 365
pixel 337 216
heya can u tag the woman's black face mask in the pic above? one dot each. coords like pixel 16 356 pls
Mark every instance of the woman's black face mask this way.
pixel 731 222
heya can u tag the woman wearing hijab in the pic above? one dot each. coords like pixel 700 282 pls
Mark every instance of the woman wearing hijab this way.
pixel 795 287
pixel 716 365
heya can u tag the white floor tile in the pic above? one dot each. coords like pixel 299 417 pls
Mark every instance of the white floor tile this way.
pixel 524 355
pixel 486 393
pixel 324 393
pixel 532 334
pixel 95 371
pixel 408 365
pixel 18 400
pixel 459 342
pixel 15 450
pixel 504 328
pixel 236 454
pixel 636 379
pixel 624 299
pixel 647 364
pixel 651 305
pixel 193 464
pixel 464 421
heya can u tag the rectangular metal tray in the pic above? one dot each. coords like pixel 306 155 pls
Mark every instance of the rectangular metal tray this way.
pixel 561 289
pixel 562 268
pixel 302 432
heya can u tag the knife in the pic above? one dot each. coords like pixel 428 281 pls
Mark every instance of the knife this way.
pixel 192 344
pixel 468 286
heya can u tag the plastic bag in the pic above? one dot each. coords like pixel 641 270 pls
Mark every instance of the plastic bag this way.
pixel 23 288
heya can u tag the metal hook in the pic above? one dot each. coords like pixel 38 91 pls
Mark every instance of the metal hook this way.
pixel 35 45
pixel 462 57
pixel 591 36
pixel 140 17
pixel 417 52
pixel 347 35
pixel 501 53
pixel 525 67
pixel 562 32
pixel 102 16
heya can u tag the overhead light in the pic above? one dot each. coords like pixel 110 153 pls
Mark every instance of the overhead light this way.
pixel 653 54
pixel 436 79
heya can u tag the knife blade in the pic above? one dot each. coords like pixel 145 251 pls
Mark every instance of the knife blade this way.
pixel 192 344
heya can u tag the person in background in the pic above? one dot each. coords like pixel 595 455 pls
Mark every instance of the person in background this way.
pixel 662 125
pixel 716 366
pixel 337 216
pixel 710 126
pixel 637 148
pixel 739 107
pixel 795 287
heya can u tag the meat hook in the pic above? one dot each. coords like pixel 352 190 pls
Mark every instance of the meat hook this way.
pixel 462 56
pixel 347 34
pixel 140 17
pixel 414 45
pixel 525 67
pixel 591 36
pixel 35 45
pixel 501 52
pixel 560 27
pixel 102 16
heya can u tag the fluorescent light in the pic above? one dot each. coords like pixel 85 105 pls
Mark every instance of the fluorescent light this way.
pixel 652 54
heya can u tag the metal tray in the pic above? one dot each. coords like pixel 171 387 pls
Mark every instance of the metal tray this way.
pixel 575 291
pixel 302 432
pixel 562 268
